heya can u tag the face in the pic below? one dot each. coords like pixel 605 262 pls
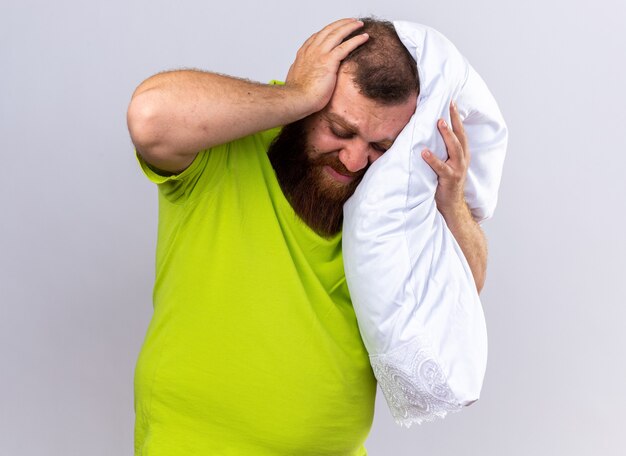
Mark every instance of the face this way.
pixel 352 131
pixel 320 160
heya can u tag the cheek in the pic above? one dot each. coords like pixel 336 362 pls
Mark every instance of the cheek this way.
pixel 323 142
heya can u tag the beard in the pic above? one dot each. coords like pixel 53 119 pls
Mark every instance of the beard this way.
pixel 317 198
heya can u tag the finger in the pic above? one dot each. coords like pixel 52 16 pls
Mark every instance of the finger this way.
pixel 320 35
pixel 345 48
pixel 327 40
pixel 323 33
pixel 453 145
pixel 458 128
pixel 441 168
pixel 338 24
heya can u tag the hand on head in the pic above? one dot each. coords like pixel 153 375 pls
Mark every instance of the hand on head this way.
pixel 314 71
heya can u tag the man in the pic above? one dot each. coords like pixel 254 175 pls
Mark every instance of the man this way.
pixel 254 347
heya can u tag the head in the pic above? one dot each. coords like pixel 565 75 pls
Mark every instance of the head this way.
pixel 320 160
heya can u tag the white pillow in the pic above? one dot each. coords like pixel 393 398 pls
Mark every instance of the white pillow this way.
pixel 413 292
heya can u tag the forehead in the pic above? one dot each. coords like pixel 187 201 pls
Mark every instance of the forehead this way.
pixel 373 120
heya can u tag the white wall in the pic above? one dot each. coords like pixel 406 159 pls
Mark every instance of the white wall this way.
pixel 78 221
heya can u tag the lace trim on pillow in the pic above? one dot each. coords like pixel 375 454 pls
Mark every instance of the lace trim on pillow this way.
pixel 414 384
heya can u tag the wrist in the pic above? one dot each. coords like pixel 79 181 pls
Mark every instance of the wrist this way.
pixel 302 101
pixel 455 212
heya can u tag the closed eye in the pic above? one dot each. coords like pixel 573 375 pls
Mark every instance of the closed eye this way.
pixel 341 133
pixel 379 148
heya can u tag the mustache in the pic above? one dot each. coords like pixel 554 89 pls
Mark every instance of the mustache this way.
pixel 335 163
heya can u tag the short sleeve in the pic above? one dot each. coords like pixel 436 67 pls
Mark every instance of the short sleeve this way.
pixel 200 176
pixel 207 170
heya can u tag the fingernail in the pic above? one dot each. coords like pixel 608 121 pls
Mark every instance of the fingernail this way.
pixel 426 153
pixel 444 124
pixel 453 104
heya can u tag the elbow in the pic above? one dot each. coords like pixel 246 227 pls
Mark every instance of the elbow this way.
pixel 150 133
pixel 142 121
pixel 139 118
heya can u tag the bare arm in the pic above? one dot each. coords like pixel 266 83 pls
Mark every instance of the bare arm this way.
pixel 174 115
pixel 471 239
pixel 450 196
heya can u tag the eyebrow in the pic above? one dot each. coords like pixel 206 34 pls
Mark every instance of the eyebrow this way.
pixel 336 118
pixel 342 122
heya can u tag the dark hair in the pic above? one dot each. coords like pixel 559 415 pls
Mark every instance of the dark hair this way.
pixel 382 67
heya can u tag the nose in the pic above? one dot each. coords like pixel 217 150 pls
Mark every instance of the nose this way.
pixel 356 155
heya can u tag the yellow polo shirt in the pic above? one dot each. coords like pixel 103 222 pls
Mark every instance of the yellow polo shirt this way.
pixel 253 348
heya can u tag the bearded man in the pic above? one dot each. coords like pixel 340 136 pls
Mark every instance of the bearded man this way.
pixel 254 347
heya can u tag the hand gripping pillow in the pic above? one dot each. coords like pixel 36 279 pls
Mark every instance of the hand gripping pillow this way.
pixel 413 292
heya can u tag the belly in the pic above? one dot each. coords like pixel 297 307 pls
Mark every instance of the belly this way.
pixel 208 384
